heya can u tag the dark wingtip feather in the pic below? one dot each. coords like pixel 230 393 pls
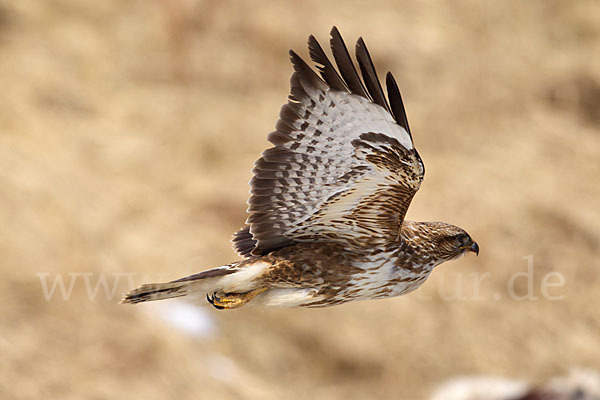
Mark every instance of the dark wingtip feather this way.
pixel 345 64
pixel 396 103
pixel 305 73
pixel 328 72
pixel 369 74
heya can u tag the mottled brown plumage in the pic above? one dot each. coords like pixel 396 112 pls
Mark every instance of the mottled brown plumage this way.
pixel 328 200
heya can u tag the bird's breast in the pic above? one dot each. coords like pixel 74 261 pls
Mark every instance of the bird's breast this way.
pixel 383 276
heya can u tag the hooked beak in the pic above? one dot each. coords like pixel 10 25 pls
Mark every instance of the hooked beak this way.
pixel 474 248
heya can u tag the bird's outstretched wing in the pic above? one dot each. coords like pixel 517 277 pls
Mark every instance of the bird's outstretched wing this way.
pixel 343 166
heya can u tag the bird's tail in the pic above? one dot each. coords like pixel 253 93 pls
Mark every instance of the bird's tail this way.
pixel 179 288
pixel 156 291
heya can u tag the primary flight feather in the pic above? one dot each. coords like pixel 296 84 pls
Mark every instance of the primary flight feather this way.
pixel 328 200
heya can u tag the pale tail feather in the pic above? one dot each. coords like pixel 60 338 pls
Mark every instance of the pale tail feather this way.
pixel 179 288
pixel 156 291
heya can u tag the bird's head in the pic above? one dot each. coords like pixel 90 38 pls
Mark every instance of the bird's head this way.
pixel 454 242
pixel 438 240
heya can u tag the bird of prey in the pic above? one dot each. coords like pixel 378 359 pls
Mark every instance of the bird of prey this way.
pixel 326 212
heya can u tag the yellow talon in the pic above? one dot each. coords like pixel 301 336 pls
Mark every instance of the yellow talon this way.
pixel 228 301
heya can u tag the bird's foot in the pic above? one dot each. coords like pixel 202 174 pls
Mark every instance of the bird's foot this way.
pixel 225 301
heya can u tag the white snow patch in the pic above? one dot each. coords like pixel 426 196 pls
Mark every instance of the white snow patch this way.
pixel 186 318
pixel 480 388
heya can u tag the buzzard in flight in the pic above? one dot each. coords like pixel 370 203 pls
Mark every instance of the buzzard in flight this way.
pixel 328 200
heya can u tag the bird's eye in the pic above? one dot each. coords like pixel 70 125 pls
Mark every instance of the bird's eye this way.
pixel 462 239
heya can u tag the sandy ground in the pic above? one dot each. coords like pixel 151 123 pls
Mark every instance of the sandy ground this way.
pixel 127 134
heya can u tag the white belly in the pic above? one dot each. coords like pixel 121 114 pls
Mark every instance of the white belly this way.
pixel 288 297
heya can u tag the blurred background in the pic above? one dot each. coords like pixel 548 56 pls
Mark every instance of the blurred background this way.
pixel 128 130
